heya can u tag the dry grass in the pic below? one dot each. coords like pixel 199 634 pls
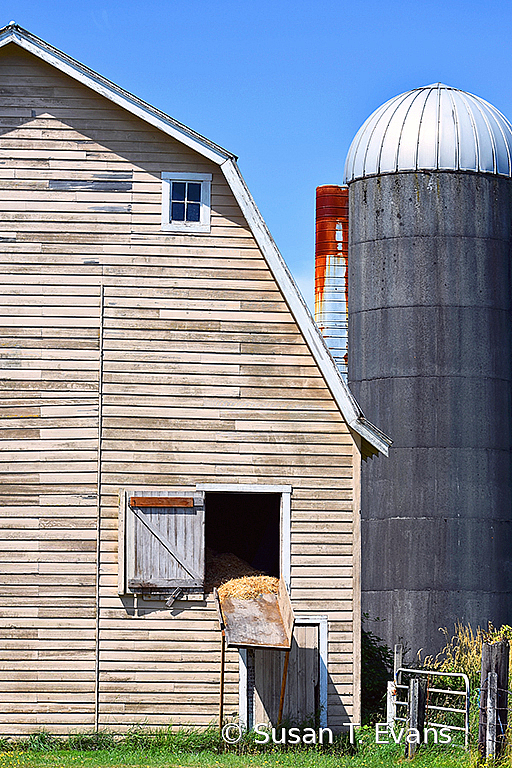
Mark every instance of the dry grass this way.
pixel 463 651
pixel 249 587
pixel 234 577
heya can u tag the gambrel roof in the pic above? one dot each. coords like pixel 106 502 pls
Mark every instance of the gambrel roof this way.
pixel 373 439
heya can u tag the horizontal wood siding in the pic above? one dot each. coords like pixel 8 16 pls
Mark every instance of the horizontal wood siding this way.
pixel 206 379
pixel 49 374
pixel 48 506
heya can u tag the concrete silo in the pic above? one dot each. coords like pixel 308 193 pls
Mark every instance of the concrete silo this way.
pixel 430 351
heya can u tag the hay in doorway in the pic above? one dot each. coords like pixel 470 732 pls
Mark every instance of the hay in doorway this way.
pixel 234 577
pixel 224 566
pixel 249 587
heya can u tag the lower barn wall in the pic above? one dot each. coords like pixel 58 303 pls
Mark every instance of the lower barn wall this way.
pixel 167 417
pixel 155 665
pixel 49 372
pixel 47 613
pixel 228 410
pixel 161 666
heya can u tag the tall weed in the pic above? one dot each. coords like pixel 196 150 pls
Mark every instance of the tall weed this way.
pixel 463 653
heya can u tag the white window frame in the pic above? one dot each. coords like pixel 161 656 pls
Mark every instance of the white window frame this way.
pixel 285 491
pixel 190 227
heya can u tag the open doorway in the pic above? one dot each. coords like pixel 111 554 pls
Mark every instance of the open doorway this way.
pixel 246 526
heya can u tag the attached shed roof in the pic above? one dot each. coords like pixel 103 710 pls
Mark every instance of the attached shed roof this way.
pixel 374 440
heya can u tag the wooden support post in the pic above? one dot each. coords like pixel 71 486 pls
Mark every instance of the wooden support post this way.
pixel 412 713
pixel 283 687
pixel 492 700
pixel 502 651
pixel 422 705
pixel 221 693
pixel 495 658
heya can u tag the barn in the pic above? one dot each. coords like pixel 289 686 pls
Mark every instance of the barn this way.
pixel 154 345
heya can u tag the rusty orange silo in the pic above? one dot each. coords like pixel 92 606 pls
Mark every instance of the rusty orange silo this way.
pixel 331 270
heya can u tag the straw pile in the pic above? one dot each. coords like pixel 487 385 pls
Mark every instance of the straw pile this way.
pixel 234 577
pixel 223 566
pixel 249 587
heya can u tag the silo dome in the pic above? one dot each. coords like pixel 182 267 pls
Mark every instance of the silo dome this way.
pixel 435 127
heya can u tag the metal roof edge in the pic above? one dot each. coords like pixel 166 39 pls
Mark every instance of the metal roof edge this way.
pixel 344 399
pixel 13 33
pixel 372 434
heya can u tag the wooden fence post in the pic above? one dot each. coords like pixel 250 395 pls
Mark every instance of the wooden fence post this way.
pixel 422 705
pixel 493 707
pixel 416 704
pixel 492 700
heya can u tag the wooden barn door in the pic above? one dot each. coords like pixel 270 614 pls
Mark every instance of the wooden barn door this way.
pixel 302 699
pixel 164 541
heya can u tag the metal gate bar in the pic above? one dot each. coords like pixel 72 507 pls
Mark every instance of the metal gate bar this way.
pixel 393 702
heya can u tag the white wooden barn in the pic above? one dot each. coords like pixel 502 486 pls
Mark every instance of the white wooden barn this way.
pixel 153 343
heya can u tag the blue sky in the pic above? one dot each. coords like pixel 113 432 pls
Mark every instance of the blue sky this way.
pixel 284 84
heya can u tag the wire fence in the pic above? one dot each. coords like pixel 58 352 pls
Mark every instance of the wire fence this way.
pixel 501 722
pixel 494 704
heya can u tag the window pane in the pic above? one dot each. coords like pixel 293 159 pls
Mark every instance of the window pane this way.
pixel 178 190
pixel 178 212
pixel 194 193
pixel 193 210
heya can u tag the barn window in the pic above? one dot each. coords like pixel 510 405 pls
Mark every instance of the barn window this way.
pixel 172 544
pixel 245 525
pixel 186 202
pixel 247 529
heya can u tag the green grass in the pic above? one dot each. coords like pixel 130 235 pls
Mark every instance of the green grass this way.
pixel 304 759
pixel 195 749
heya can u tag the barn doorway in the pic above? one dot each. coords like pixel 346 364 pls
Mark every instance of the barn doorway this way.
pixel 246 525
pixel 253 527
pixel 302 693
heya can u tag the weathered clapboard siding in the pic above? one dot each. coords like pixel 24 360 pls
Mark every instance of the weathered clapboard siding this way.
pixel 49 362
pixel 205 377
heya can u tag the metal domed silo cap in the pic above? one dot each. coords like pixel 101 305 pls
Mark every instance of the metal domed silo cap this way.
pixel 434 127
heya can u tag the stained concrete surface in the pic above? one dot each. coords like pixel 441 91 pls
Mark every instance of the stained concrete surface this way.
pixel 430 351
